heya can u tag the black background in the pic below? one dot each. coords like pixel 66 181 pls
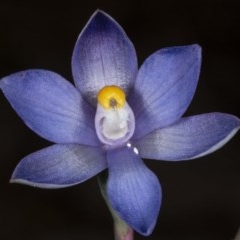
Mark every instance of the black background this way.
pixel 201 198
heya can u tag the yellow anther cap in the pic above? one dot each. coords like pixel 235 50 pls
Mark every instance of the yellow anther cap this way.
pixel 111 97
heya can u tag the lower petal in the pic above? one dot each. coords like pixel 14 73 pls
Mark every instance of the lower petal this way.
pixel 59 166
pixel 133 190
pixel 190 137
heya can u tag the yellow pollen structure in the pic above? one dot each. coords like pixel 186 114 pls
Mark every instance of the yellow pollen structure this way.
pixel 111 97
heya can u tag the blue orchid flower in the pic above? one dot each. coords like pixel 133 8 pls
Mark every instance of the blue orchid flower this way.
pixel 115 116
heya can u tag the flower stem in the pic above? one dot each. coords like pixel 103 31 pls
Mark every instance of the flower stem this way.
pixel 121 229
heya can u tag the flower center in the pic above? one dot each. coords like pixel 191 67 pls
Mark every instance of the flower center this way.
pixel 111 97
pixel 114 120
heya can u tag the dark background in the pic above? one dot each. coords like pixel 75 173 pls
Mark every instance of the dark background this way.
pixel 201 198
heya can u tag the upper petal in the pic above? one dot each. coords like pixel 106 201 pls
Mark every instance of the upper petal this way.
pixel 50 106
pixel 60 165
pixel 190 137
pixel 133 190
pixel 164 87
pixel 103 55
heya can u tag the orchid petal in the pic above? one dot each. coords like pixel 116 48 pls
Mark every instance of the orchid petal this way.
pixel 190 137
pixel 164 87
pixel 133 190
pixel 50 106
pixel 103 55
pixel 60 165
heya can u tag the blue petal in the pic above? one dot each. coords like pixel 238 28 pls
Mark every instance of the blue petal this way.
pixel 103 55
pixel 133 190
pixel 164 87
pixel 60 165
pixel 50 106
pixel 190 137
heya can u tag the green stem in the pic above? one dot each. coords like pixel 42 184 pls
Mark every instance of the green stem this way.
pixel 121 229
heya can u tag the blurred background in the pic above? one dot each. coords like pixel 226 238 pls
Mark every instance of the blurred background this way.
pixel 201 198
